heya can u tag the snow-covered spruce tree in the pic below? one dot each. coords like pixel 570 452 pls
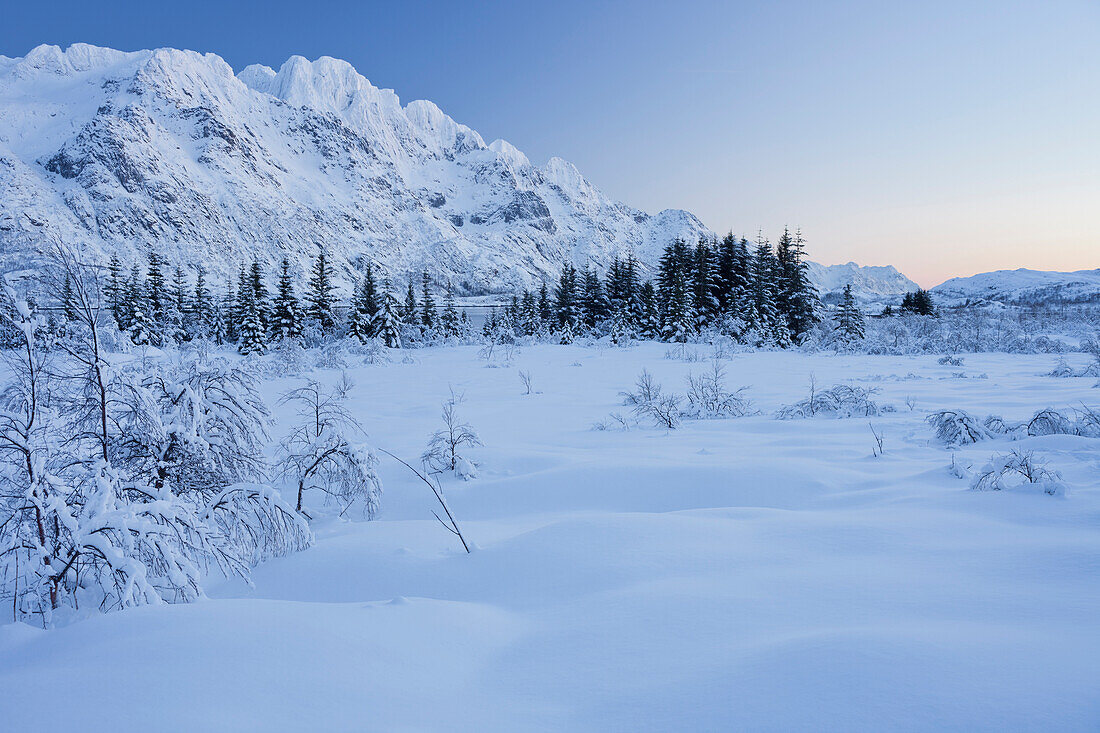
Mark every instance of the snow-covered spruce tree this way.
pixel 546 309
pixel 678 320
pixel 387 324
pixel 565 301
pixel 445 446
pixel 364 308
pixel 428 316
pixel 798 301
pixel 259 292
pixel 771 324
pixel 593 304
pixel 177 308
pixel 322 452
pixel 156 298
pixel 320 296
pixel 410 309
pixel 703 300
pixel 141 324
pixel 848 321
pixel 251 335
pixel 285 314
pixel 227 333
pixel 449 322
pixel 649 324
pixel 202 325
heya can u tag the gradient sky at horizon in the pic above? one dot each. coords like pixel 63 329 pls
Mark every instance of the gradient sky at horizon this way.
pixel 945 138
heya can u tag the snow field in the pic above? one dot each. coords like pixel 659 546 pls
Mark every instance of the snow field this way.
pixel 732 574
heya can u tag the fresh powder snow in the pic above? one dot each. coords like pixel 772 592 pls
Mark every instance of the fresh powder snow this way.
pixel 732 574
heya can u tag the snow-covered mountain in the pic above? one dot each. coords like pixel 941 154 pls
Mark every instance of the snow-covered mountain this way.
pixel 1020 286
pixel 869 283
pixel 116 151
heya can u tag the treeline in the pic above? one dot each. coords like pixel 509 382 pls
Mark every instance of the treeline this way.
pixel 152 308
pixel 753 292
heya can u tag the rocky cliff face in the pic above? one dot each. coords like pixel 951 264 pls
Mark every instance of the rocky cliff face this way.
pixel 166 149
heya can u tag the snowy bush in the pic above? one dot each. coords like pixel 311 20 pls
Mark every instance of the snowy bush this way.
pixel 1016 470
pixel 288 359
pixel 1061 369
pixel 957 427
pixel 1050 422
pixel 996 425
pixel 949 360
pixel 708 396
pixel 322 451
pixel 839 401
pixel 375 351
pixel 117 485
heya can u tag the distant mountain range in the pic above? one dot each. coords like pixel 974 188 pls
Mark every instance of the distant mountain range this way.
pixel 1021 287
pixel 119 152
pixel 883 285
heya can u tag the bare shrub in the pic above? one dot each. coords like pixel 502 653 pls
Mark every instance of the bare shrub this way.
pixel 525 378
pixel 614 421
pixel 649 403
pixel 646 390
pixel 708 396
pixel 1017 469
pixel 1088 421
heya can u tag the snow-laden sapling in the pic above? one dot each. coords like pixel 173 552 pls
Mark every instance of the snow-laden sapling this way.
pixel 324 451
pixel 957 427
pixel 525 378
pixel 1015 470
pixel 447 445
pixel 649 403
pixel 1061 369
pixel 708 396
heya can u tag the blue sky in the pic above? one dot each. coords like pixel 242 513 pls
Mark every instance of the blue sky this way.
pixel 943 137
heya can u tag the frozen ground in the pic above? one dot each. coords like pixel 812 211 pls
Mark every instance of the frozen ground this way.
pixel 730 575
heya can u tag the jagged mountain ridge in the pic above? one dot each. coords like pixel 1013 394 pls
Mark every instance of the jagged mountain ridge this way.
pixel 869 282
pixel 117 151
